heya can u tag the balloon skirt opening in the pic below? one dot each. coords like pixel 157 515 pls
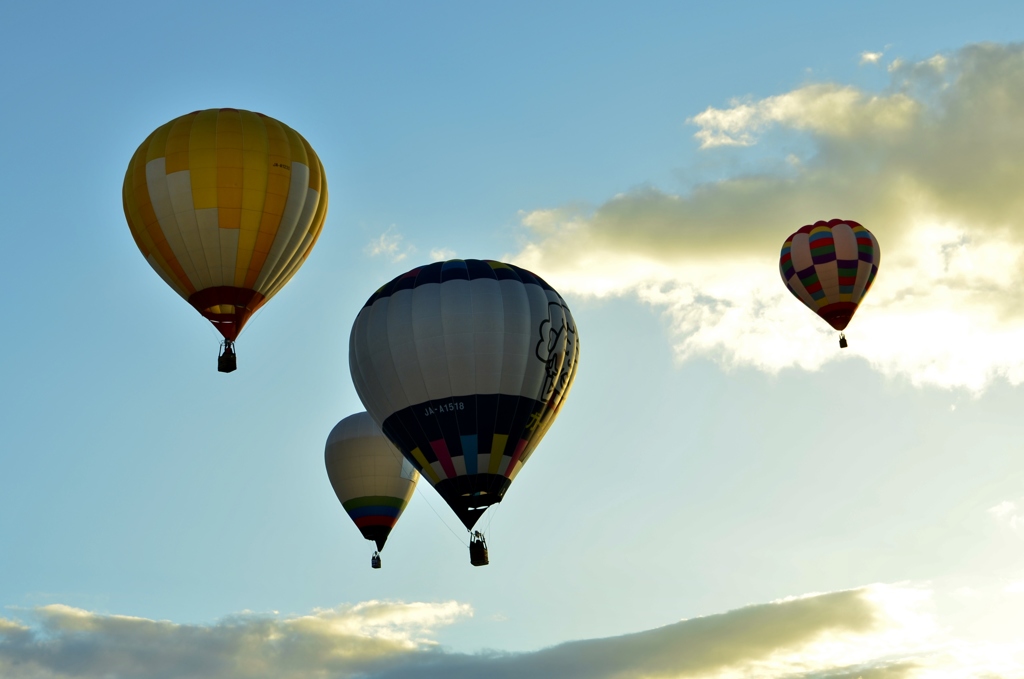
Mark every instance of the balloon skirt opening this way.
pixel 470 496
pixel 227 308
pixel 377 533
pixel 838 315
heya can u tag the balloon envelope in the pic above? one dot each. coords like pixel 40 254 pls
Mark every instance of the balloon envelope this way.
pixel 465 364
pixel 830 266
pixel 372 480
pixel 225 205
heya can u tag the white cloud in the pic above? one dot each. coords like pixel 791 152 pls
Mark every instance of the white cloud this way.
pixel 390 244
pixel 870 57
pixel 931 166
pixel 441 254
pixel 877 631
pixel 1006 513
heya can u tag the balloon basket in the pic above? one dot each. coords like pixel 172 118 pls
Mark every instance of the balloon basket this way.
pixel 842 341
pixel 227 361
pixel 375 560
pixel 478 549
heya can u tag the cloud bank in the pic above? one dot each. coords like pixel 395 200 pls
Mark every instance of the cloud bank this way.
pixel 873 632
pixel 932 165
pixel 347 641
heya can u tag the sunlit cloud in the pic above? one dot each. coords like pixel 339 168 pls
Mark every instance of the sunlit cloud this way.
pixel 931 165
pixel 876 631
pixel 823 108
pixel 342 642
pixel 870 57
pixel 391 245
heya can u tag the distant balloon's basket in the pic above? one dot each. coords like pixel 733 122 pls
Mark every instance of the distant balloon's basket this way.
pixel 478 549
pixel 227 361
pixel 375 560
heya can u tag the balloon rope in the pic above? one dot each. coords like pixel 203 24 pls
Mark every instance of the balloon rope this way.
pixel 401 459
pixel 423 495
pixel 494 510
pixel 251 318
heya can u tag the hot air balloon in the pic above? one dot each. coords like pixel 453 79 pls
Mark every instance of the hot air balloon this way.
pixel 225 205
pixel 372 480
pixel 830 266
pixel 465 364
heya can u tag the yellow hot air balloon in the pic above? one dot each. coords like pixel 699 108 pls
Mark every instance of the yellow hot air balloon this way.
pixel 225 205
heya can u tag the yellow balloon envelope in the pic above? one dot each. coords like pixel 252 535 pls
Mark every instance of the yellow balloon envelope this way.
pixel 225 205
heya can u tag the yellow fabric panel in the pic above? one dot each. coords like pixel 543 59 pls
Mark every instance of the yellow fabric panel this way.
pixel 131 210
pixel 316 168
pixel 229 170
pixel 321 209
pixel 515 471
pixel 498 443
pixel 176 151
pixel 202 160
pixel 296 147
pixel 431 474
pixel 255 171
pixel 157 143
pixel 278 180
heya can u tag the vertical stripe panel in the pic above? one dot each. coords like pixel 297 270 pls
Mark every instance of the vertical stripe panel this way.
pixel 457 328
pixel 278 183
pixel 163 208
pixel 518 335
pixel 179 189
pixel 255 170
pixel 487 308
pixel 295 203
pixel 428 332
pixel 401 341
pixel 146 227
pixel 229 174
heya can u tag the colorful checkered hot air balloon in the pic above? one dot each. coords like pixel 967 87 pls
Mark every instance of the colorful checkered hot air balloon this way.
pixel 830 266
pixel 225 205
pixel 372 480
pixel 465 364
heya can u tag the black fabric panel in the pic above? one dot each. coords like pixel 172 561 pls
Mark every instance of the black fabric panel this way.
pixel 479 269
pixel 454 269
pixel 430 273
pixel 472 269
pixel 503 274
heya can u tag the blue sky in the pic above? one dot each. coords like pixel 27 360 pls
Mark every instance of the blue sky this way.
pixel 717 456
